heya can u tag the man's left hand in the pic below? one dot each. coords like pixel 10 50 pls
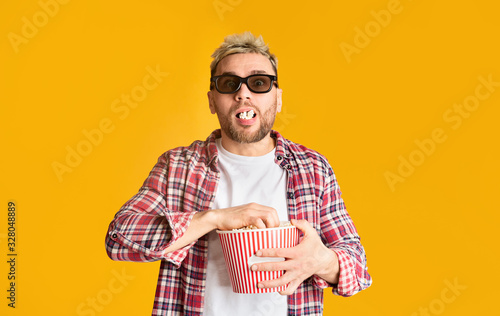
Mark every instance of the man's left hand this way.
pixel 309 257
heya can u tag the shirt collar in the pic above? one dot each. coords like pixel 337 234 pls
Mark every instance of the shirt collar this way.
pixel 281 146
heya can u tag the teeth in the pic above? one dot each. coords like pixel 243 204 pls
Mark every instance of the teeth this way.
pixel 246 115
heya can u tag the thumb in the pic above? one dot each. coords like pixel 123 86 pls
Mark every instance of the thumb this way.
pixel 302 225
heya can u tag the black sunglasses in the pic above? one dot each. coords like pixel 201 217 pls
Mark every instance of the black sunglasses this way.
pixel 228 84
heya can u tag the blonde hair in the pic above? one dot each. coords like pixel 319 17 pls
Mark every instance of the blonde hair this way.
pixel 242 43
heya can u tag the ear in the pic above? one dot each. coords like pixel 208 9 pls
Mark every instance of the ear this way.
pixel 279 92
pixel 211 103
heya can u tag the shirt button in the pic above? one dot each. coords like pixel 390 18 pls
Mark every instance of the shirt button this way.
pixel 290 195
pixel 279 157
pixel 114 236
pixel 288 167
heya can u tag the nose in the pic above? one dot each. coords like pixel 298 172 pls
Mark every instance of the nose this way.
pixel 243 93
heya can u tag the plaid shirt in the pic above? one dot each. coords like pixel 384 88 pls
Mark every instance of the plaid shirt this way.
pixel 184 181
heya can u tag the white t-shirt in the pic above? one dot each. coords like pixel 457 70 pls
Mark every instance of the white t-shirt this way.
pixel 243 180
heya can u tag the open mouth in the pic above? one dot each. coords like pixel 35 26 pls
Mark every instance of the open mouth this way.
pixel 246 115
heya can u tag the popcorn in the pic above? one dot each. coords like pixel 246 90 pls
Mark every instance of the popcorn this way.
pixel 246 115
pixel 249 227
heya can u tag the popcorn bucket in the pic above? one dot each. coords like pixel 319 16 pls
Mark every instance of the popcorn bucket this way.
pixel 239 248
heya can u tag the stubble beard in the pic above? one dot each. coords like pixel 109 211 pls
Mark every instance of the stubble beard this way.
pixel 238 133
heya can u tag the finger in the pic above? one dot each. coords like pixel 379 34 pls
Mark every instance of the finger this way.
pixel 302 225
pixel 267 215
pixel 276 218
pixel 268 221
pixel 271 266
pixel 283 280
pixel 290 289
pixel 276 252
pixel 259 223
pixel 271 217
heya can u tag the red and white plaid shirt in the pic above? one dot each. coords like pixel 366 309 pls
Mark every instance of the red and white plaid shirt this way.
pixel 184 182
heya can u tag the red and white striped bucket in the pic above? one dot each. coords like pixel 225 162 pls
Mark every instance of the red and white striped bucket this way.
pixel 239 248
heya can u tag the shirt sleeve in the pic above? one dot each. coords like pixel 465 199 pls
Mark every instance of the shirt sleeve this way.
pixel 144 227
pixel 340 235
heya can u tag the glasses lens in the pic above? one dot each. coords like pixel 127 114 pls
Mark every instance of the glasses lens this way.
pixel 259 83
pixel 227 84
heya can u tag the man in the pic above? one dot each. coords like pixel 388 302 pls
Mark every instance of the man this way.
pixel 243 174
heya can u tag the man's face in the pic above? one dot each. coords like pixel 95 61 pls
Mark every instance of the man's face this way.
pixel 229 107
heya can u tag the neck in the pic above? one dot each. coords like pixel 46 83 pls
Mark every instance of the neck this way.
pixel 259 148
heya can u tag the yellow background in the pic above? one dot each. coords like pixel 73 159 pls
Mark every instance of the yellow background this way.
pixel 364 110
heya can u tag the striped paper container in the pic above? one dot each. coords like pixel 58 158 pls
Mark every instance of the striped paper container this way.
pixel 239 248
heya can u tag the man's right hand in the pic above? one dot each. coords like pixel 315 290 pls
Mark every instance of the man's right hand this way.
pixel 254 214
pixel 226 219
